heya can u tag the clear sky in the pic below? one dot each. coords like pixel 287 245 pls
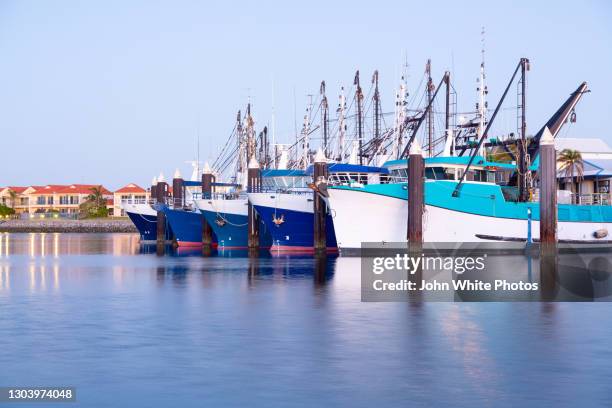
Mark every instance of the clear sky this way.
pixel 114 91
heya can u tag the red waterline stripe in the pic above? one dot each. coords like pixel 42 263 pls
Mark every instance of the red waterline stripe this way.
pixel 187 244
pixel 301 249
pixel 221 247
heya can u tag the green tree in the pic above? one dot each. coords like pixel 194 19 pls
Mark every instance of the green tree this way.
pixel 571 164
pixel 4 210
pixel 94 204
pixel 13 197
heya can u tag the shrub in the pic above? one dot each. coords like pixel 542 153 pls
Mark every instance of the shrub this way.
pixel 4 210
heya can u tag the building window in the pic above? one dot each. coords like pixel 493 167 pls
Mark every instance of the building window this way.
pixel 40 200
pixel 50 200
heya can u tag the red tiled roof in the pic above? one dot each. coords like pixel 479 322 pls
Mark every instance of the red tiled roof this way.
pixel 131 188
pixel 81 189
pixel 68 189
pixel 18 190
pixel 48 189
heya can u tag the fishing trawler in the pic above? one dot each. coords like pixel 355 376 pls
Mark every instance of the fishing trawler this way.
pixel 285 203
pixel 471 198
pixel 144 218
pixel 227 212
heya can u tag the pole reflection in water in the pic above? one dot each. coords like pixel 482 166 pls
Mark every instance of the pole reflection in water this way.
pixel 253 268
pixel 320 269
pixel 549 279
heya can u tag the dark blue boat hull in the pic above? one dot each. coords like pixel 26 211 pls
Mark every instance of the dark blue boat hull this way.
pixel 147 226
pixel 296 233
pixel 232 230
pixel 186 226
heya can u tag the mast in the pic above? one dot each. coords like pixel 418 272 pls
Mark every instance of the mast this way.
pixel 480 144
pixel 430 89
pixel 482 105
pixel 376 99
pixel 242 152
pixel 306 135
pixel 250 134
pixel 400 117
pixel 324 118
pixel 450 137
pixel 341 124
pixel 359 97
pixel 523 165
pixel 421 119
pixel 273 125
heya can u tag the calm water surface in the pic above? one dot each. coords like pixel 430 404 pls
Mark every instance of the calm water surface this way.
pixel 132 329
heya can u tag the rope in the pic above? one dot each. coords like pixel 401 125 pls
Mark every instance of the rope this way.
pixel 225 219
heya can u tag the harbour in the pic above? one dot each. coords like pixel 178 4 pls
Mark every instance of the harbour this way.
pixel 334 204
pixel 92 307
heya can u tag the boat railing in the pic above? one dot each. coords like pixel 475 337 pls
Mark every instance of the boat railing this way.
pixel 222 196
pixel 134 201
pixel 276 190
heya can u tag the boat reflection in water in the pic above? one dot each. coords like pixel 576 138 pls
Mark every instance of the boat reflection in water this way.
pixel 154 321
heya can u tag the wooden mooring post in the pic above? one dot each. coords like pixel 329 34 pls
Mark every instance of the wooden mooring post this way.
pixel 207 192
pixel 320 174
pixel 416 193
pixel 548 192
pixel 161 194
pixel 254 186
pixel 178 190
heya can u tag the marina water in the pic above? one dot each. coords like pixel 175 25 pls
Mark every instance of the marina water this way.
pixel 129 328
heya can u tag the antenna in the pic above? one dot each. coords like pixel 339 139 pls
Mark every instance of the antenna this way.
pixel 295 131
pixel 273 125
pixel 198 147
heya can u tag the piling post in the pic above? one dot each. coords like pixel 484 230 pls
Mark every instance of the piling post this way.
pixel 207 190
pixel 178 190
pixel 153 191
pixel 320 174
pixel 161 192
pixel 548 192
pixel 416 193
pixel 254 186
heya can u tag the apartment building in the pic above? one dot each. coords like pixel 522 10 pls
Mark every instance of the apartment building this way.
pixel 52 197
pixel 131 193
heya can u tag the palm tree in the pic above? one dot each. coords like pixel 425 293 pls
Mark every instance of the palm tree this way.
pixel 571 163
pixel 94 204
pixel 96 196
pixel 13 196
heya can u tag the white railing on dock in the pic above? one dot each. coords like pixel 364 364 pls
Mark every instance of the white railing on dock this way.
pixel 591 199
pixel 567 197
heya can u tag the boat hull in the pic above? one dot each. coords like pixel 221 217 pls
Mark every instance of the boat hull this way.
pixel 379 214
pixel 229 221
pixel 186 226
pixel 144 218
pixel 290 220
